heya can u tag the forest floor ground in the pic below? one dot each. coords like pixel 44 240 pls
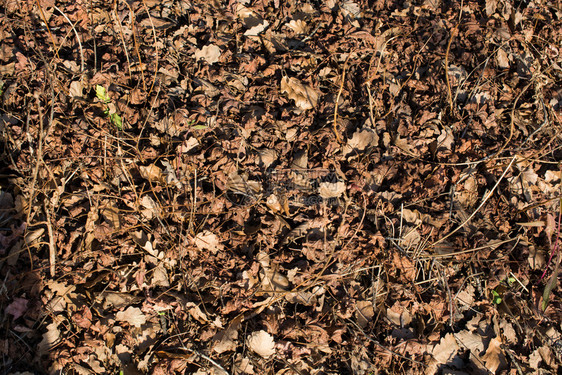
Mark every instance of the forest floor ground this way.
pixel 280 187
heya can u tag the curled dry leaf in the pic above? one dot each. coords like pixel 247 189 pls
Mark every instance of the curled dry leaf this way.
pixel 261 343
pixel 305 96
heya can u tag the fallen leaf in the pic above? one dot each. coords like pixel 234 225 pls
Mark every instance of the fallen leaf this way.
pixel 446 350
pixel 494 358
pixel 196 313
pixel 50 338
pixel 256 30
pixel 111 215
pixel 298 26
pixel 361 139
pixel 17 308
pixel 364 313
pixel 76 89
pixel 470 341
pixel 209 53
pixel 261 343
pixel 305 96
pixel 160 277
pixel 207 240
pixel 133 316
pixel 491 6
pixel 267 157
pixel 188 145
pixel 243 365
pixel 329 190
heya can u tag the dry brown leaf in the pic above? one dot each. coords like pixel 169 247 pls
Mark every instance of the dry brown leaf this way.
pixel 133 315
pixel 188 145
pixel 160 276
pixel 267 156
pixel 273 204
pixel 306 298
pixel 242 365
pixel 111 215
pixel 256 30
pixel 305 96
pixel 298 26
pixel 151 172
pixel 398 315
pixel 261 343
pixel 491 6
pixel 508 332
pixel 76 89
pixel 446 139
pixel 503 59
pixel 494 357
pixel 351 9
pixel 329 190
pixel 364 313
pixel 17 308
pixel 196 313
pixel 470 341
pixel 446 350
pixel 150 208
pixel 207 240
pixel 226 341
pixel 362 139
pixel 50 338
pixel 210 53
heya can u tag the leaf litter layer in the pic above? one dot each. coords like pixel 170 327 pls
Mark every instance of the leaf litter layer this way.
pixel 280 187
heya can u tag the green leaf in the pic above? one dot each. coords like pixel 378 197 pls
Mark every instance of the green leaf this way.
pixel 101 94
pixel 116 120
pixel 496 298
